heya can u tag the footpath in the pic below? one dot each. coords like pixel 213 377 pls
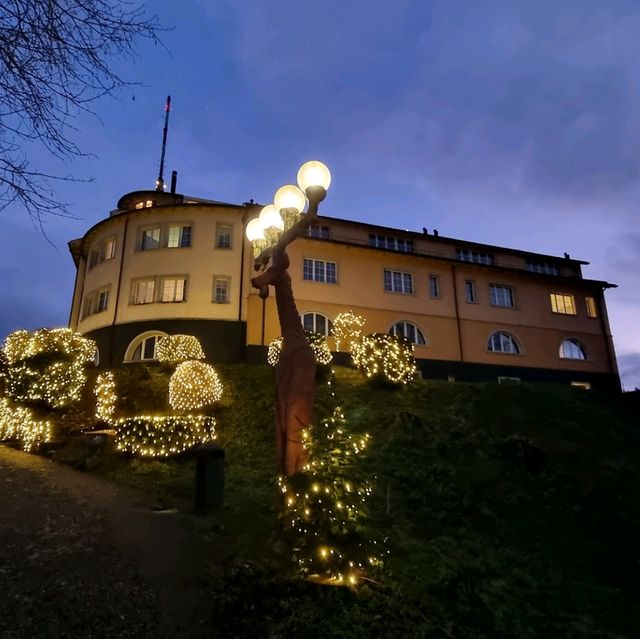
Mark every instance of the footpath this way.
pixel 80 557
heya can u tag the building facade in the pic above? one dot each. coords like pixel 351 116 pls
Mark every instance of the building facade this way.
pixel 166 263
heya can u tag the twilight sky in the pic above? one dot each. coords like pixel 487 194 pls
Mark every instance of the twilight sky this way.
pixel 511 123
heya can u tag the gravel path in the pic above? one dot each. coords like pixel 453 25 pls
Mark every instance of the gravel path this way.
pixel 80 557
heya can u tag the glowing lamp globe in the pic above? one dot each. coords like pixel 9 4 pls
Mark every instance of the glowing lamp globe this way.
pixel 255 230
pixel 314 173
pixel 270 218
pixel 290 197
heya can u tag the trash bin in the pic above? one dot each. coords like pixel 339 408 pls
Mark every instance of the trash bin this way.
pixel 209 489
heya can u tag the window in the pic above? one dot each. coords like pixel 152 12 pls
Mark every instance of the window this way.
pixel 178 236
pixel 142 291
pixel 470 291
pixel 542 267
pixel 221 285
pixel 317 323
pixel 102 301
pixel 393 243
pixel 223 236
pixel 582 385
pixel 319 232
pixel 319 271
pixel 502 342
pixel 504 379
pixel 95 302
pixel 150 238
pixel 109 247
pixel 105 250
pixel 434 286
pixel 410 331
pixel 466 255
pixel 173 289
pixel 144 205
pixel 398 282
pixel 561 303
pixel 143 347
pixel 572 349
pixel 591 307
pixel 500 295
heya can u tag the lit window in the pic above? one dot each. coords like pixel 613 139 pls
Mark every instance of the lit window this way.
pixel 221 289
pixel 317 323
pixel 561 303
pixel 139 205
pixel 466 255
pixel 150 238
pixel 591 307
pixel 174 289
pixel 410 331
pixel 319 271
pixel 143 347
pixel 470 291
pixel 178 236
pixel 572 349
pixel 392 243
pixel 542 267
pixel 500 295
pixel 143 291
pixel 319 232
pixel 582 385
pixel 502 342
pixel 398 281
pixel 223 236
pixel 434 286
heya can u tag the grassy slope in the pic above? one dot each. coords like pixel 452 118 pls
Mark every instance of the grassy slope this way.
pixel 510 511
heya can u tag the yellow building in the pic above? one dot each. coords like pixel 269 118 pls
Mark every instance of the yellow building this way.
pixel 166 263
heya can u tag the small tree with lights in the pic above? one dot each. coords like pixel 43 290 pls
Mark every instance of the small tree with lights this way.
pixel 385 359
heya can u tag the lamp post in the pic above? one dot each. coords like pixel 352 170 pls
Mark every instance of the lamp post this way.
pixel 276 227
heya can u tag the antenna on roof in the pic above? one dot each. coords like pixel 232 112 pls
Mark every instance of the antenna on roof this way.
pixel 160 180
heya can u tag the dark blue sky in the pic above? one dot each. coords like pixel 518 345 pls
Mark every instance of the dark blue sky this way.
pixel 512 123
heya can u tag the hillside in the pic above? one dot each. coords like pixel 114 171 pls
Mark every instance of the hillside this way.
pixel 509 511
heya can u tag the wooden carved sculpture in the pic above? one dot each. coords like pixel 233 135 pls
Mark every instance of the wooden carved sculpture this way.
pixel 296 369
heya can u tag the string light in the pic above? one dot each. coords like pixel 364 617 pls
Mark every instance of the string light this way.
pixel 194 385
pixel 178 348
pixel 19 423
pixel 386 357
pixel 106 398
pixel 347 329
pixel 163 435
pixel 317 341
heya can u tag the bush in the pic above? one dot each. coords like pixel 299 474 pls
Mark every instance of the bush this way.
pixel 385 358
pixel 178 348
pixel 194 385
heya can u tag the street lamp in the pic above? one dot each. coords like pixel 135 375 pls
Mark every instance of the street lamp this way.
pixel 276 227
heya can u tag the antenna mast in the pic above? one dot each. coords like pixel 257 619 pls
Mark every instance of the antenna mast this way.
pixel 160 180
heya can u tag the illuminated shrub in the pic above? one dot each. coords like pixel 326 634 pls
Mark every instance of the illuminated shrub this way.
pixel 163 436
pixel 19 423
pixel 385 358
pixel 347 330
pixel 194 385
pixel 105 392
pixel 178 348
pixel 317 341
pixel 47 366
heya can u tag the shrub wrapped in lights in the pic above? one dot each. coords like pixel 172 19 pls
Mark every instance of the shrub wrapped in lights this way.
pixel 20 423
pixel 47 366
pixel 347 330
pixel 194 385
pixel 317 341
pixel 385 358
pixel 178 348
pixel 163 436
pixel 105 392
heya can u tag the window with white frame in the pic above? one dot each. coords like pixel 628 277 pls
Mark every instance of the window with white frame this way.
pixel 143 347
pixel 319 271
pixel 592 309
pixel 173 289
pixel 178 236
pixel 572 349
pixel 221 289
pixel 96 302
pixel 103 251
pixel 470 291
pixel 562 303
pixel 467 255
pixel 223 236
pixel 143 290
pixel 393 243
pixel 434 286
pixel 318 323
pixel 500 295
pixel 319 231
pixel 410 331
pixel 503 342
pixel 398 281
pixel 150 238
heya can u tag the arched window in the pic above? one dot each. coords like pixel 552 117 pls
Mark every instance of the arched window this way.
pixel 317 323
pixel 410 331
pixel 572 349
pixel 503 342
pixel 143 347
